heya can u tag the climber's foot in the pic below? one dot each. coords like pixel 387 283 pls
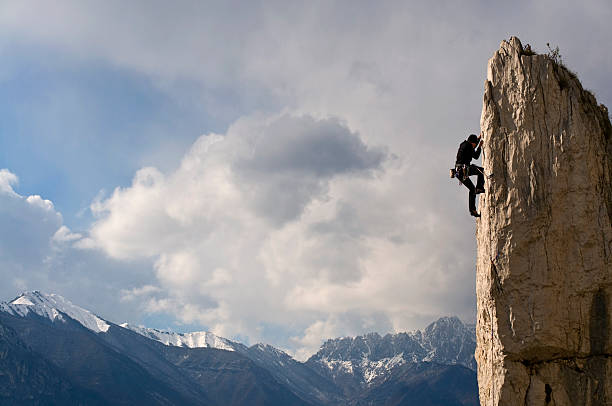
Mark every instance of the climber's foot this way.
pixel 474 213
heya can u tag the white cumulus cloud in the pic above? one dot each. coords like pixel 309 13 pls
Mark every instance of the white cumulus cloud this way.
pixel 284 222
pixel 38 251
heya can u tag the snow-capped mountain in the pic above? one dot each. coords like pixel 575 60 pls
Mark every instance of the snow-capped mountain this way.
pixel 355 362
pixel 53 307
pixel 449 341
pixel 197 339
pixel 53 352
pixel 99 362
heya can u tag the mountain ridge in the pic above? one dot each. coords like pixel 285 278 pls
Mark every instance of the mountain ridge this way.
pixel 202 368
pixel 52 306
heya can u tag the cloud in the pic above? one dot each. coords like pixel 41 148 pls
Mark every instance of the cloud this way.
pixel 293 220
pixel 43 204
pixel 38 251
pixel 213 225
pixel 285 220
pixel 7 180
pixel 63 235
pixel 262 170
pixel 291 160
pixel 297 225
pixel 128 295
pixel 347 324
pixel 27 224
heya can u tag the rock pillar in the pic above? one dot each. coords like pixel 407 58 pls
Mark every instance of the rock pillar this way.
pixel 544 266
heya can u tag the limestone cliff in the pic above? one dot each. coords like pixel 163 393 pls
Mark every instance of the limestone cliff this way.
pixel 544 267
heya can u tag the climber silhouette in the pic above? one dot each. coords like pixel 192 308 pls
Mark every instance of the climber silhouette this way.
pixel 469 149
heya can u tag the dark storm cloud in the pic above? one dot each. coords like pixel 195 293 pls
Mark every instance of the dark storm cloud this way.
pixel 309 147
pixel 292 159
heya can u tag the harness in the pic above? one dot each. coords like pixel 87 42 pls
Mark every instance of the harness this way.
pixel 461 172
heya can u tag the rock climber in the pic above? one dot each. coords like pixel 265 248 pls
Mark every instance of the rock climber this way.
pixel 469 149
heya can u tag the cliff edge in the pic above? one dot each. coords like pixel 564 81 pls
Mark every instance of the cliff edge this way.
pixel 544 267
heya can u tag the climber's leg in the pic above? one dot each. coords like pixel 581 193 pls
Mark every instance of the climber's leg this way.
pixel 472 197
pixel 478 171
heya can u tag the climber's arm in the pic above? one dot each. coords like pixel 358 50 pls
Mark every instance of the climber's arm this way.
pixel 478 148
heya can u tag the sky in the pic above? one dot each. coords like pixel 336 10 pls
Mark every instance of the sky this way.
pixel 269 171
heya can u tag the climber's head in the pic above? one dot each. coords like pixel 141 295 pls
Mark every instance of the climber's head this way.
pixel 473 139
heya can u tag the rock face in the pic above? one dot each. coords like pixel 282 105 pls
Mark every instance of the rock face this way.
pixel 544 267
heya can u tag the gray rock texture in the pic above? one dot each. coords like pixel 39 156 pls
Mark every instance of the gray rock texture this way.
pixel 544 266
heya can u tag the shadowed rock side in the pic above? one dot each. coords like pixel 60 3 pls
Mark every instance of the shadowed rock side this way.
pixel 544 267
pixel 28 379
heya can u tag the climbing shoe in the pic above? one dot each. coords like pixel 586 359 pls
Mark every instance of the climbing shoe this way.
pixel 474 213
pixel 479 190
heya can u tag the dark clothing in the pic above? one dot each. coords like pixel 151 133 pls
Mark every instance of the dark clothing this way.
pixel 466 153
pixel 473 170
pixel 465 169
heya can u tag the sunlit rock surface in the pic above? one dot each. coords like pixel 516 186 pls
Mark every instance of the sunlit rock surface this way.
pixel 544 267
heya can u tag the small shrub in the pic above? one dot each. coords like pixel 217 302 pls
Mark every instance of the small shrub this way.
pixel 555 54
pixel 528 51
pixel 564 72
pixel 563 83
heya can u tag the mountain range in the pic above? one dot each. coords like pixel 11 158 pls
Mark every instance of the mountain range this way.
pixel 54 352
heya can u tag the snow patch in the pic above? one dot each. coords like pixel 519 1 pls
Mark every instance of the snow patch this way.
pixel 52 306
pixel 374 369
pixel 198 339
pixel 22 300
pixel 338 365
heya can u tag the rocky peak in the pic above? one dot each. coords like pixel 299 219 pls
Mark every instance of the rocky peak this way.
pixel 444 328
pixel 544 265
pixel 445 341
pixel 449 341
